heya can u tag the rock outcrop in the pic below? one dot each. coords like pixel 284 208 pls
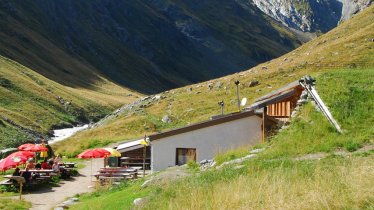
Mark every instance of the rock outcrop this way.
pixel 306 16
pixel 351 7
pixel 311 15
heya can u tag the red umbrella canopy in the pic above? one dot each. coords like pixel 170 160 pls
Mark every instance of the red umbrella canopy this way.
pixel 34 148
pixel 23 146
pixel 94 153
pixel 15 159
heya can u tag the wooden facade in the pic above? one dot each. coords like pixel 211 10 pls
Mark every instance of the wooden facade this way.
pixel 134 157
pixel 284 108
pixel 280 103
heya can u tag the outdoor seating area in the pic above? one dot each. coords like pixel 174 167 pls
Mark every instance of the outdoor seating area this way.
pixel 29 172
pixel 31 178
pixel 109 175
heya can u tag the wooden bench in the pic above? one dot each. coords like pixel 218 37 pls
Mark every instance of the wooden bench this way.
pixel 110 180
pixel 6 182
pixel 117 172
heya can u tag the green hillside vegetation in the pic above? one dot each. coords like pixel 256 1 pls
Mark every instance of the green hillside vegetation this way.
pixel 349 46
pixel 31 105
pixel 275 178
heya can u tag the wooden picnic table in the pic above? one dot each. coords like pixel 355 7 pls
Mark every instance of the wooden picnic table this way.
pixel 109 180
pixel 46 172
pixel 118 169
pixel 117 172
pixel 17 179
pixel 39 170
pixel 113 174
pixel 68 165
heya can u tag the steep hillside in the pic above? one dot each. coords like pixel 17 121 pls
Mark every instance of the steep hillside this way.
pixel 31 105
pixel 148 46
pixel 306 166
pixel 348 46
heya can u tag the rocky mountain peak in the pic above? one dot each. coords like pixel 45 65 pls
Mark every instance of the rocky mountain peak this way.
pixel 311 15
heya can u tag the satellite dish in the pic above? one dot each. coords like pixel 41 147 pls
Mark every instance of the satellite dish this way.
pixel 244 102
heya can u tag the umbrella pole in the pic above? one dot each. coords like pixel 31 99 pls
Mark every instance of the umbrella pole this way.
pixel 91 169
pixel 20 190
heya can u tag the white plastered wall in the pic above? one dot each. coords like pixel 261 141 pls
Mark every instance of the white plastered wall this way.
pixel 208 141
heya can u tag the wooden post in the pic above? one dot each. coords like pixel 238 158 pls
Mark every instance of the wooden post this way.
pixel 237 93
pixel 263 124
pixel 20 189
pixel 144 154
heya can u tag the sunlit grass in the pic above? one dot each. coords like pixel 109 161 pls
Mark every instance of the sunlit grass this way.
pixel 274 179
pixel 119 197
pixel 10 204
pixel 329 184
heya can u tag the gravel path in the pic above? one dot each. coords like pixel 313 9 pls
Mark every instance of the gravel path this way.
pixel 48 198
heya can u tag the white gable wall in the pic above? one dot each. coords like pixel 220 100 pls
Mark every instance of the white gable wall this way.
pixel 208 141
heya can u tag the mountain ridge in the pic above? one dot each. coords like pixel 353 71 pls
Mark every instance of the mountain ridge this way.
pixel 158 44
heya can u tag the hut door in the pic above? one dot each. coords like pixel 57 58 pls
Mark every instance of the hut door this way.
pixel 184 155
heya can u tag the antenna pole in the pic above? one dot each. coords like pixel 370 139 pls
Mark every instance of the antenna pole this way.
pixel 144 154
pixel 237 93
pixel 221 104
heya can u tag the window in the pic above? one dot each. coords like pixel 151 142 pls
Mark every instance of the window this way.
pixel 184 155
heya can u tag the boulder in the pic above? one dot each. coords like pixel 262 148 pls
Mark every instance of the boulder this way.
pixel 218 85
pixel 210 86
pixel 255 151
pixel 139 201
pixel 146 183
pixel 166 119
pixel 253 83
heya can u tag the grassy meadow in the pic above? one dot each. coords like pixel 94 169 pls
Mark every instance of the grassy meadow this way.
pixel 33 102
pixel 275 178
pixel 10 204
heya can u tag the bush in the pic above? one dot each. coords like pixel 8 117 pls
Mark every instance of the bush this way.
pixel 352 146
pixel 192 165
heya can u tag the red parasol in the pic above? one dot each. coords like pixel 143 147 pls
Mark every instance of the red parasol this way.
pixel 15 159
pixel 34 148
pixel 23 146
pixel 94 153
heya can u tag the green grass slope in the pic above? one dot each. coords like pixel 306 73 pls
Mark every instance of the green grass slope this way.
pixel 31 104
pixel 278 177
pixel 275 179
pixel 348 46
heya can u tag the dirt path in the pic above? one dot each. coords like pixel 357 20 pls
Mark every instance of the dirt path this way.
pixel 48 198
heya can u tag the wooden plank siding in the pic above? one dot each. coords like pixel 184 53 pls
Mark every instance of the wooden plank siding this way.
pixel 280 110
pixel 284 108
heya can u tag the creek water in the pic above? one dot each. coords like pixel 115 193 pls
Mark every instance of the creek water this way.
pixel 65 133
